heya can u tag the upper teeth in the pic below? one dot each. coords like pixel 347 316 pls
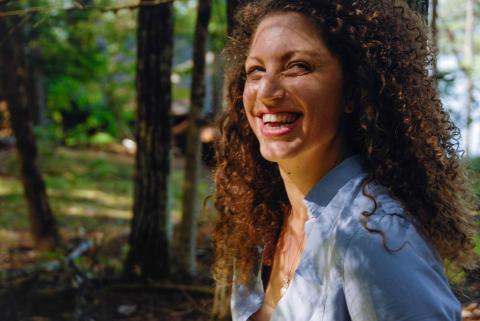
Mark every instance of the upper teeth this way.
pixel 279 118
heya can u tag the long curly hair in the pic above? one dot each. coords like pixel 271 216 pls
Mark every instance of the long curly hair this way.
pixel 406 139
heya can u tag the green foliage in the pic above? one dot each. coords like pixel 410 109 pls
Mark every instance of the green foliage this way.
pixel 218 25
pixel 181 92
pixel 85 187
pixel 205 188
pixel 475 165
pixel 185 20
pixel 474 176
pixel 455 276
pixel 101 138
pixel 88 61
pixel 477 244
pixel 52 255
pixel 185 17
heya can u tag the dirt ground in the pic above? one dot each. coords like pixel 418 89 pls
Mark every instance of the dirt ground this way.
pixel 56 291
pixel 36 286
pixel 36 290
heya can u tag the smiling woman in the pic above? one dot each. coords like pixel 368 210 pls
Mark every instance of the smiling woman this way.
pixel 293 93
pixel 339 188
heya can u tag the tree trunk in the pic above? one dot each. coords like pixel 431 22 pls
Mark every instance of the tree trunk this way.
pixel 36 90
pixel 15 80
pixel 434 29
pixel 188 228
pixel 36 85
pixel 232 6
pixel 150 236
pixel 217 86
pixel 469 65
pixel 421 6
pixel 223 288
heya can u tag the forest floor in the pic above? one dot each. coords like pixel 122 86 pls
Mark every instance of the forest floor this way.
pixel 91 192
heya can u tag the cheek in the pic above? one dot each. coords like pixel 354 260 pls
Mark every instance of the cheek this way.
pixel 249 95
pixel 249 103
pixel 324 102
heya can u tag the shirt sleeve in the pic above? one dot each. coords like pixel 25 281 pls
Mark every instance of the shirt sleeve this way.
pixel 406 284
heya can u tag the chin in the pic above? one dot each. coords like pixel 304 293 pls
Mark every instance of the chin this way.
pixel 277 154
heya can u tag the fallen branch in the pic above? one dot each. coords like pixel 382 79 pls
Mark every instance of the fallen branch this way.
pixel 51 266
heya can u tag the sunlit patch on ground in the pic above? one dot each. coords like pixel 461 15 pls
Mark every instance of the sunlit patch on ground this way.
pixel 91 195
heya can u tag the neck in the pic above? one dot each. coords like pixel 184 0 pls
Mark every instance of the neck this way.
pixel 302 173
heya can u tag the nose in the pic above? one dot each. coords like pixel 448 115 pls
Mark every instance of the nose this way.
pixel 271 90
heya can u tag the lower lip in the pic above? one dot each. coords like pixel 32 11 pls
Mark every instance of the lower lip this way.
pixel 274 132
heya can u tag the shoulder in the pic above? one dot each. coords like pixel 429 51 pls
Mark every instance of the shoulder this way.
pixel 373 215
pixel 376 224
pixel 388 267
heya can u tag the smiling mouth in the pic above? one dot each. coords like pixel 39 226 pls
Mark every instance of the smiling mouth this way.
pixel 277 125
pixel 279 120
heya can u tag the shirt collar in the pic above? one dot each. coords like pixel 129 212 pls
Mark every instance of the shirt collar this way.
pixel 327 187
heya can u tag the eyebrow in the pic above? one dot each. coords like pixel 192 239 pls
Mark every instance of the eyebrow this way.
pixel 291 53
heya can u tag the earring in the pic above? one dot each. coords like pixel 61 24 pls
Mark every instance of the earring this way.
pixel 349 108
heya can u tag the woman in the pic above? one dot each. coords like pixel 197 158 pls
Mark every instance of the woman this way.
pixel 339 187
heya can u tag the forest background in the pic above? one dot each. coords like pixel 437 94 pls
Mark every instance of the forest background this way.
pixel 102 221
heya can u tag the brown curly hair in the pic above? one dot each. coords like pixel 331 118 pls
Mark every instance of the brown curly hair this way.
pixel 407 141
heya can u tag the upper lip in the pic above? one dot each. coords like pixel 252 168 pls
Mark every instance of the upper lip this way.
pixel 260 113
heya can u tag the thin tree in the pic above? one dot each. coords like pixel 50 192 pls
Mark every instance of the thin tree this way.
pixel 232 6
pixel 421 6
pixel 188 227
pixel 218 36
pixel 469 67
pixel 223 290
pixel 217 85
pixel 434 36
pixel 15 83
pixel 150 236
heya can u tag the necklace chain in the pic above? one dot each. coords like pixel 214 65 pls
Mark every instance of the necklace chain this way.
pixel 286 279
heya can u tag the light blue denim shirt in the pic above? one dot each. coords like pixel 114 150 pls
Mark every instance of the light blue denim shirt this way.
pixel 345 272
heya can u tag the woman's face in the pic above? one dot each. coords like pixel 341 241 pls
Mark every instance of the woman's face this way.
pixel 293 92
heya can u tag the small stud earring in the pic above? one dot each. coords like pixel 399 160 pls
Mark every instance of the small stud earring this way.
pixel 349 109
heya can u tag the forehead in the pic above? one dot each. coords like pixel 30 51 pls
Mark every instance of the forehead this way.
pixel 286 30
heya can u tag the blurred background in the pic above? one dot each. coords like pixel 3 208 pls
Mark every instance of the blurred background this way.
pixel 106 152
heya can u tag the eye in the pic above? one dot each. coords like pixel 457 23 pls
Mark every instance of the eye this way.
pixel 254 71
pixel 299 65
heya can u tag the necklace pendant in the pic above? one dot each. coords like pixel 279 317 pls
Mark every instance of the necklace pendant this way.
pixel 286 284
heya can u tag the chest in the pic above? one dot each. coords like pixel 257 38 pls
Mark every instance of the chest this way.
pixel 306 300
pixel 311 295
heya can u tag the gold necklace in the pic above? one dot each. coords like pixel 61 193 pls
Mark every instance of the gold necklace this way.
pixel 286 279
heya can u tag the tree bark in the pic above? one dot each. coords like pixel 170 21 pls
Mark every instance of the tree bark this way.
pixel 15 80
pixel 421 6
pixel 150 236
pixel 434 30
pixel 217 86
pixel 188 227
pixel 232 6
pixel 36 90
